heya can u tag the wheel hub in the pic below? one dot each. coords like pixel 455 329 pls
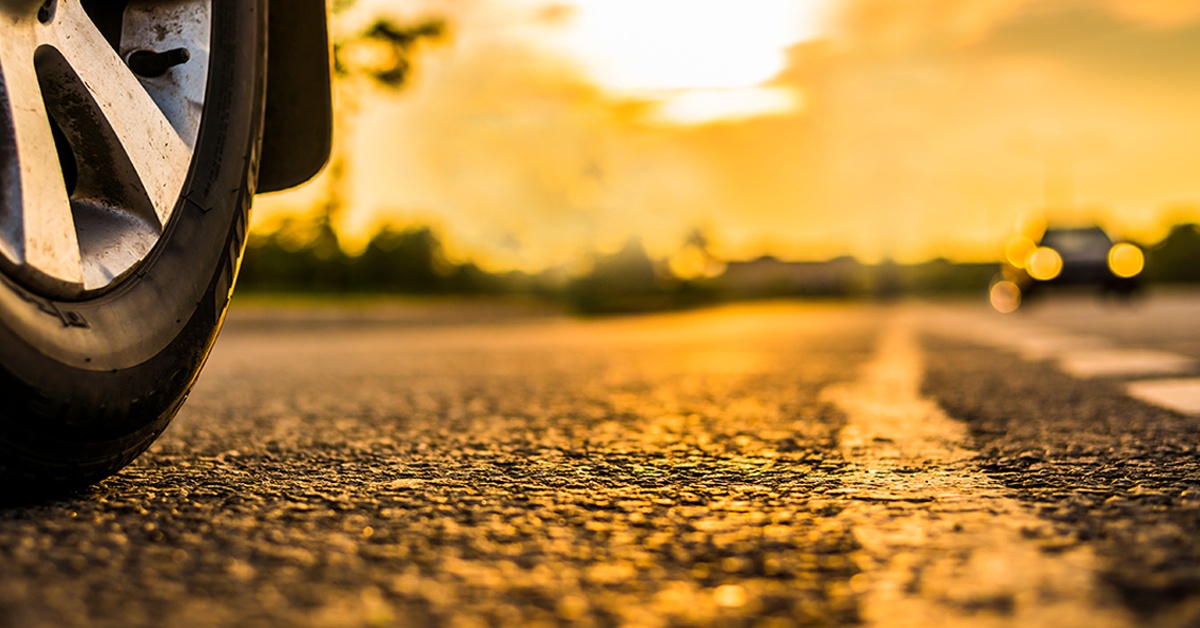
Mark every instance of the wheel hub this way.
pixel 94 154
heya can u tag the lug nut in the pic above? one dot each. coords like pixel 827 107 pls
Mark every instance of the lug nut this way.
pixel 148 64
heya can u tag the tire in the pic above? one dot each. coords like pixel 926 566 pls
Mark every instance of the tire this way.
pixel 91 376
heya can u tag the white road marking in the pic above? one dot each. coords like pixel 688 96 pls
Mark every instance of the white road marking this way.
pixel 1079 355
pixel 1048 345
pixel 1181 395
pixel 1118 362
pixel 941 543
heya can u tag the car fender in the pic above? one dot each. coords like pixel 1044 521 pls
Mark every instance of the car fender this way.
pixel 298 123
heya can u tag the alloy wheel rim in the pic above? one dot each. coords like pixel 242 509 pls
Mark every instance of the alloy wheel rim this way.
pixel 100 107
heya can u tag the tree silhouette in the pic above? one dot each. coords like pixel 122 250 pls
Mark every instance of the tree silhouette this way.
pixel 381 56
pixel 378 57
pixel 391 49
pixel 406 261
pixel 1177 257
pixel 625 281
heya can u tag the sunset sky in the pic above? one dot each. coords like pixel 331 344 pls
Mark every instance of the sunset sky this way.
pixel 542 130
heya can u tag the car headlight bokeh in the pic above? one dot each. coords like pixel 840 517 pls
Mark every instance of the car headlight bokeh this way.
pixel 1044 263
pixel 1126 260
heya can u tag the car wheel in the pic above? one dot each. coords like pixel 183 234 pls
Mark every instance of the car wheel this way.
pixel 129 138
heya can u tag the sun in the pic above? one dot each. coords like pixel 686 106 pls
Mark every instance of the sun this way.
pixel 702 60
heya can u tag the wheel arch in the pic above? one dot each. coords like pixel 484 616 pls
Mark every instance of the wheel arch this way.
pixel 298 124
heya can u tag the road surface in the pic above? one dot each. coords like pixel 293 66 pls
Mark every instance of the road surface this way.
pixel 906 464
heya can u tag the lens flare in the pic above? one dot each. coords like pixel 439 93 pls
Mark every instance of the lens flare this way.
pixel 1044 264
pixel 1126 260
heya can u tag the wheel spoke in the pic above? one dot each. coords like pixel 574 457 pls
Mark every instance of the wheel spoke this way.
pixel 37 219
pixel 93 159
pixel 158 156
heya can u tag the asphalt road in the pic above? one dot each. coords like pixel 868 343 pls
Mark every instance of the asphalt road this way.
pixel 774 464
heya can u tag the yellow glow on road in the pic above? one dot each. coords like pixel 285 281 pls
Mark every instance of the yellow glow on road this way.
pixel 1126 260
pixel 1044 264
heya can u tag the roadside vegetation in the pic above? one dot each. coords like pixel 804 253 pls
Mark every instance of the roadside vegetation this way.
pixel 307 259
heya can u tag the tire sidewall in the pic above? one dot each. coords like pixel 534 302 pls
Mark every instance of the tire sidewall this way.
pixel 88 384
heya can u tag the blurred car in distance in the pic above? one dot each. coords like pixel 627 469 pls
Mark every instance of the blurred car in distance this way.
pixel 1062 257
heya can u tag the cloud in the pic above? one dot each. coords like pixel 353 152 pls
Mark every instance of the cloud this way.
pixel 1157 13
pixel 888 26
pixel 521 158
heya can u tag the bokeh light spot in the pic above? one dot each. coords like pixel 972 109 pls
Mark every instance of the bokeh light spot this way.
pixel 1126 260
pixel 1005 296
pixel 1044 264
pixel 1018 250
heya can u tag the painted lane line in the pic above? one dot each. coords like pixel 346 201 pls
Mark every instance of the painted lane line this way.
pixel 1180 395
pixel 1079 355
pixel 1032 342
pixel 1123 362
pixel 1048 345
pixel 941 543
